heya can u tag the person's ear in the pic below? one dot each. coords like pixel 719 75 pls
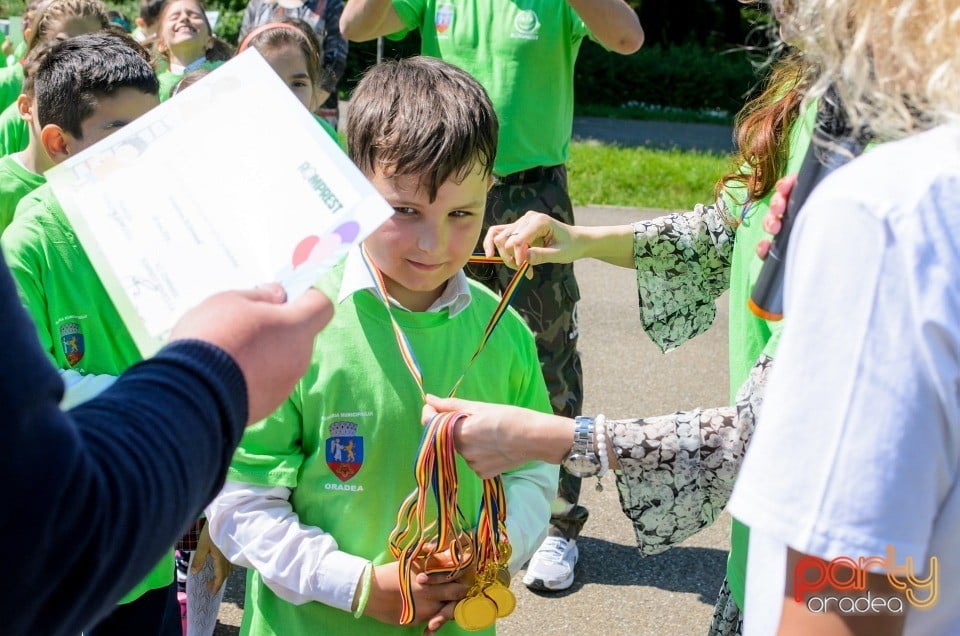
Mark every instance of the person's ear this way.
pixel 56 141
pixel 491 181
pixel 27 32
pixel 24 107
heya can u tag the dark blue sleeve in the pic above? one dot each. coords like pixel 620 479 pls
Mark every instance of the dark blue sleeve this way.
pixel 97 495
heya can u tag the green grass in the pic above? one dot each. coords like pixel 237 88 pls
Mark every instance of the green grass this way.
pixel 669 179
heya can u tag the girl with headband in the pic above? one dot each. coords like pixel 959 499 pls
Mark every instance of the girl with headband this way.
pixel 292 49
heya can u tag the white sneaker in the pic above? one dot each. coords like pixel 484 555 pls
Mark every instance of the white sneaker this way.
pixel 551 567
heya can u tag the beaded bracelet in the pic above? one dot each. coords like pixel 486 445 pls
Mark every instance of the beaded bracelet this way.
pixel 600 431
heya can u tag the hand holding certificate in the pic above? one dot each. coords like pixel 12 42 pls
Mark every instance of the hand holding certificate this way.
pixel 230 185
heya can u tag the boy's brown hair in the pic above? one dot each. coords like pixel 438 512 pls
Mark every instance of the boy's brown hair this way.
pixel 421 116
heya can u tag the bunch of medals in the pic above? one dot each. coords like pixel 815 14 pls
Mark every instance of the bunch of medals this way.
pixel 490 597
pixel 443 545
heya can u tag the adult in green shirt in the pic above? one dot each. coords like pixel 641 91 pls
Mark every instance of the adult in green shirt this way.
pixel 523 54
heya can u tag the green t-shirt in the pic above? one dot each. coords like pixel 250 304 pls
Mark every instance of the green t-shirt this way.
pixel 76 321
pixel 357 412
pixel 168 79
pixel 15 183
pixel 11 83
pixel 14 133
pixel 750 335
pixel 523 54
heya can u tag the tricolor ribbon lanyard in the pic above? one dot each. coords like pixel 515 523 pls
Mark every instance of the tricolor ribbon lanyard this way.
pixel 444 543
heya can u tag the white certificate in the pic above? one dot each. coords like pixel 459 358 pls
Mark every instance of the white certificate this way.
pixel 229 185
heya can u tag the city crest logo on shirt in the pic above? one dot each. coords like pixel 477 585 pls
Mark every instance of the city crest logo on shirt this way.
pixel 444 18
pixel 344 450
pixel 526 25
pixel 71 339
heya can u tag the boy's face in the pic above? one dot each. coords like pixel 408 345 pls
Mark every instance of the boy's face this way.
pixel 113 112
pixel 425 243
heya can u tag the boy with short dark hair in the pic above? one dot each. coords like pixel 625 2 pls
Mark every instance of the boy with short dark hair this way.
pixel 85 88
pixel 314 489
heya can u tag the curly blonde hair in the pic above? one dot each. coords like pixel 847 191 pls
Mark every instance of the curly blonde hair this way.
pixel 895 63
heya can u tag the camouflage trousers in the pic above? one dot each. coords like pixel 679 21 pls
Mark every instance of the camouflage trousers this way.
pixel 548 303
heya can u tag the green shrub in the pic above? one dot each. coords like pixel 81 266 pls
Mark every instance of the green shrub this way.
pixel 685 76
pixel 363 55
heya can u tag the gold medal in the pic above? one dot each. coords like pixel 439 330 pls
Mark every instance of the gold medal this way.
pixel 458 613
pixel 475 613
pixel 503 598
pixel 503 576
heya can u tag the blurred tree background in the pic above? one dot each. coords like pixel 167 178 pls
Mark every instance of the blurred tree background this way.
pixel 698 55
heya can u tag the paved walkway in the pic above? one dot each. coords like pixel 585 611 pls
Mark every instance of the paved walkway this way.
pixel 655 134
pixel 652 134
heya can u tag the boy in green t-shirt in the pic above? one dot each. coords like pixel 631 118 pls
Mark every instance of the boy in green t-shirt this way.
pixel 313 491
pixel 523 53
pixel 85 88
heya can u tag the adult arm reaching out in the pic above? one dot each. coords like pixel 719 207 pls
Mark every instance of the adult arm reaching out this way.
pixel 613 23
pixel 89 482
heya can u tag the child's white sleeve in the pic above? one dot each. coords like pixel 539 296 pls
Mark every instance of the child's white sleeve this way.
pixel 256 527
pixel 78 388
pixel 529 491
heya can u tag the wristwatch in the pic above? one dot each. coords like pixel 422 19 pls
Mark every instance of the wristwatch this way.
pixel 582 460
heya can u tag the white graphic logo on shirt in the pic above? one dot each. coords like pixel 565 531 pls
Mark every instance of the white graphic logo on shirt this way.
pixel 526 25
pixel 443 20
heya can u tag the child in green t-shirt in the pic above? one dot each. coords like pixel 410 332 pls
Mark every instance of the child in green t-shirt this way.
pixel 186 42
pixel 84 89
pixel 146 30
pixel 22 172
pixel 313 491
